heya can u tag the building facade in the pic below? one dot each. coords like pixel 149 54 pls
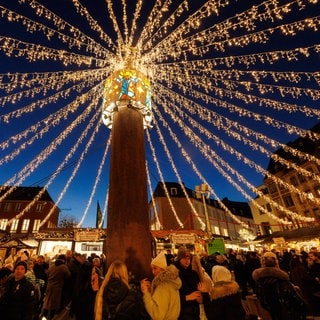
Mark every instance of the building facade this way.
pixel 294 188
pixel 21 216
pixel 170 209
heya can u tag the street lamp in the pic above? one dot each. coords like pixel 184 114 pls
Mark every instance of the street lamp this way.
pixel 202 192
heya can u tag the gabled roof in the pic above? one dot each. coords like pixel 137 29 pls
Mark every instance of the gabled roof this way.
pixel 304 144
pixel 25 193
pixel 160 191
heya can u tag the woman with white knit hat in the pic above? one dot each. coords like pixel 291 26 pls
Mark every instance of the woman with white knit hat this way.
pixel 223 300
pixel 161 296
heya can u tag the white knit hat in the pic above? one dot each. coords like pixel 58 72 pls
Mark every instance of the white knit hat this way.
pixel 160 261
pixel 220 273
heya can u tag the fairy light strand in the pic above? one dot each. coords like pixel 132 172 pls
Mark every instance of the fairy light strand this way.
pixel 154 205
pixel 162 180
pixel 51 121
pixel 194 167
pixel 78 40
pixel 204 149
pixel 70 153
pixel 35 52
pixel 174 168
pixel 93 191
pixel 19 177
pixel 72 176
pixel 94 25
pixel 225 124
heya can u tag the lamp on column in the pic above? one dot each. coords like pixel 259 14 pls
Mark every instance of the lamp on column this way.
pixel 203 192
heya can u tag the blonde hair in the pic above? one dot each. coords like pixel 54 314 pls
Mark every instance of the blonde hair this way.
pixel 117 269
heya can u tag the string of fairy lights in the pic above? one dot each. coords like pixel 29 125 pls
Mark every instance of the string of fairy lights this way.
pixel 98 177
pixel 73 175
pixel 154 206
pixel 69 155
pixel 205 79
pixel 172 107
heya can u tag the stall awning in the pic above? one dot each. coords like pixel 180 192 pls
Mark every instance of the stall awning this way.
pixel 305 233
pixel 22 243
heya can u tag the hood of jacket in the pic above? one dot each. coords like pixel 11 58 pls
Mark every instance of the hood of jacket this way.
pixel 224 288
pixel 169 275
pixel 269 272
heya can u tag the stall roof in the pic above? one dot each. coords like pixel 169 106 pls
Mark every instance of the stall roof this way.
pixel 17 242
pixel 165 233
pixel 304 233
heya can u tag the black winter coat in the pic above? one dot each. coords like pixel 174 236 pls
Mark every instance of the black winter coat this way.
pixel 190 310
pixel 120 302
pixel 224 302
pixel 277 294
pixel 19 300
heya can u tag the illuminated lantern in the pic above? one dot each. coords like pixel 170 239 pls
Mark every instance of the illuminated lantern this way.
pixel 127 88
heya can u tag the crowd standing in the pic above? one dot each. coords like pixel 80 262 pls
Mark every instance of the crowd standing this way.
pixel 185 286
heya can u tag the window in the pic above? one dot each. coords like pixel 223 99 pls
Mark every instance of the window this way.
pixel 216 230
pixel 294 181
pixel 91 247
pixel 266 228
pixel 39 207
pixel 272 188
pixel 173 191
pixel 288 201
pixel 7 206
pixel 36 225
pixel 3 224
pixel 302 178
pixel 268 207
pixel 225 232
pixel 25 225
pixel 18 207
pixel 14 225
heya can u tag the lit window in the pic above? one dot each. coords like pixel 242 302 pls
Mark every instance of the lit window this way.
pixel 36 225
pixel 25 225
pixel 3 224
pixel 14 225
pixel 225 232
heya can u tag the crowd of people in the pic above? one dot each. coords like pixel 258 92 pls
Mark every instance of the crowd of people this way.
pixel 185 286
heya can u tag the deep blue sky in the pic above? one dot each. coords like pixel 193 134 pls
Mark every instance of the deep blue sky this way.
pixel 76 198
